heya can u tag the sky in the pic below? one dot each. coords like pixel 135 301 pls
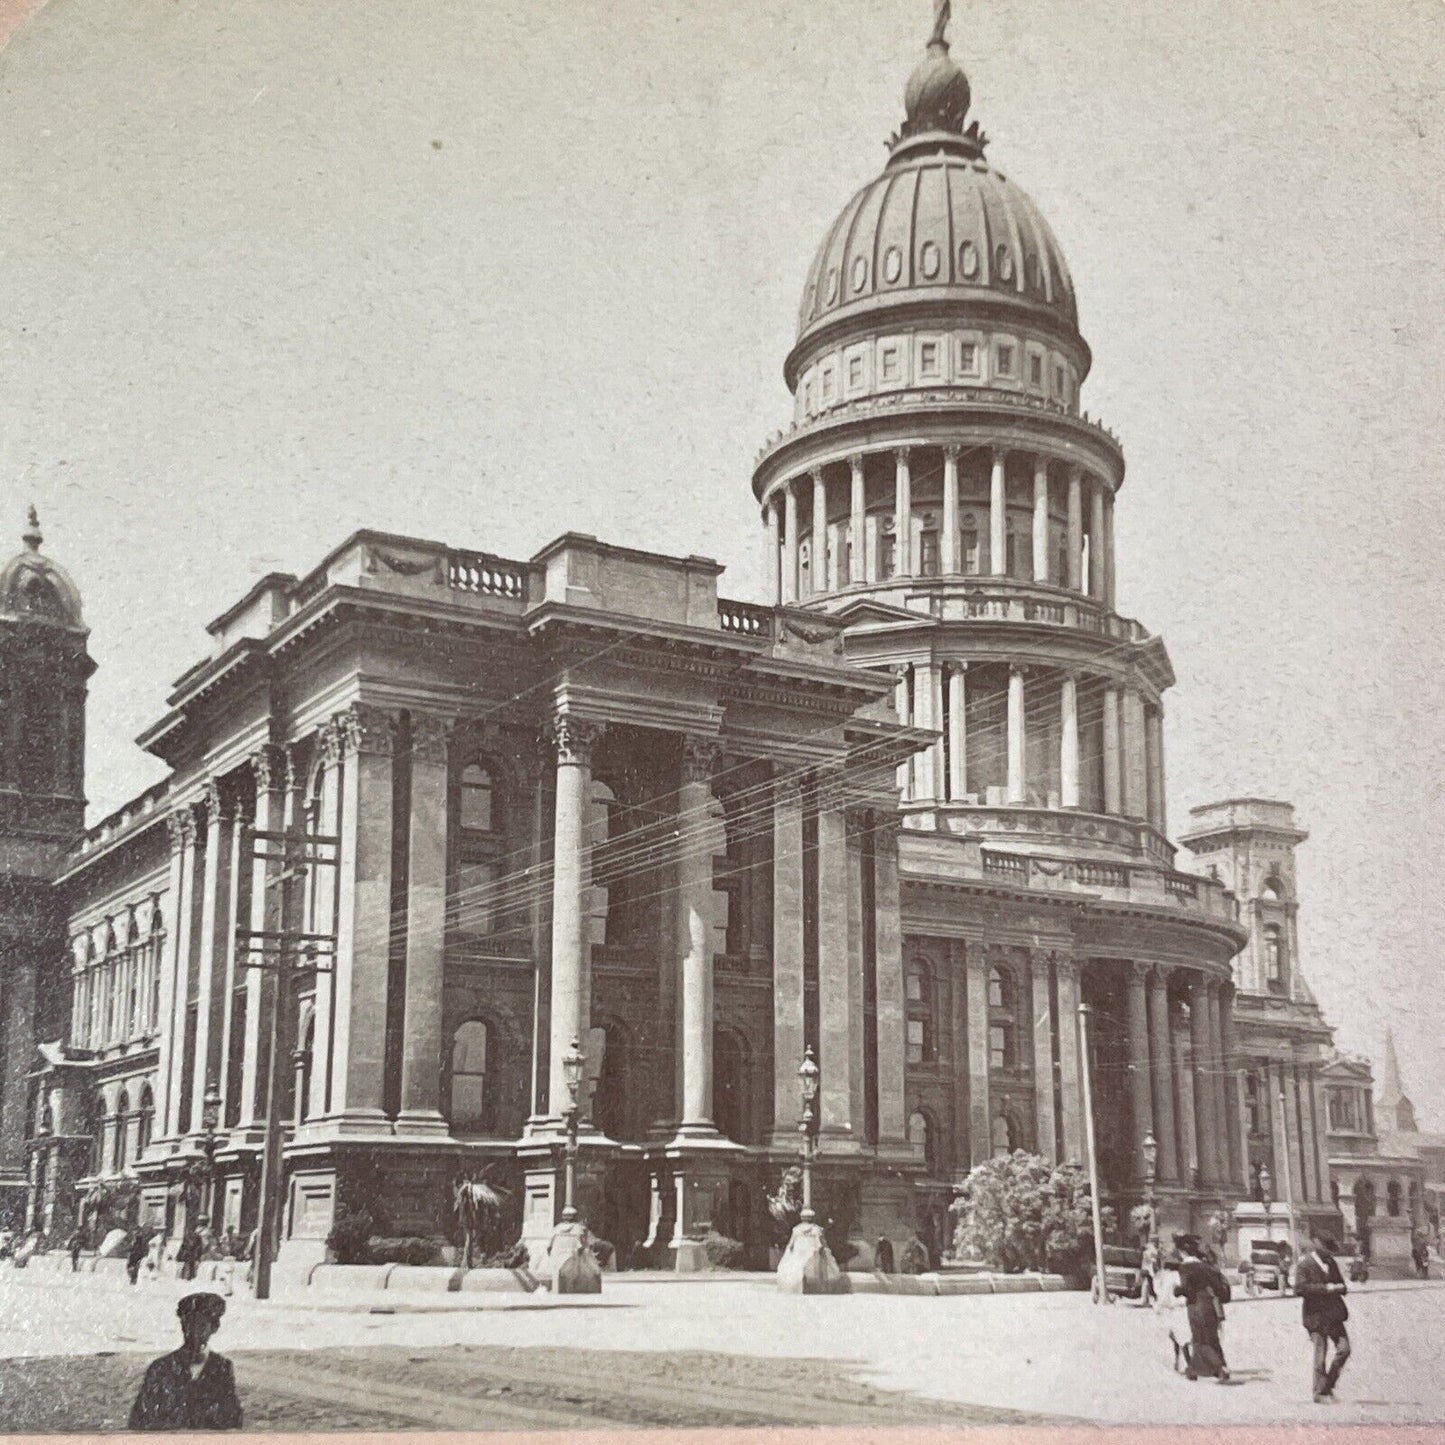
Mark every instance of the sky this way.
pixel 490 270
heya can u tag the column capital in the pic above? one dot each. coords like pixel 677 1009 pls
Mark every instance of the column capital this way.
pixel 999 454
pixel 1041 464
pixel 788 791
pixel 330 743
pixel 574 739
pixel 816 473
pixel 1040 960
pixel 901 455
pixel 1139 971
pixel 952 451
pixel 430 736
pixel 855 461
pixel 181 827
pixel 1160 972
pixel 267 765
pixel 1068 967
pixel 699 754
pixel 365 729
pixel 211 800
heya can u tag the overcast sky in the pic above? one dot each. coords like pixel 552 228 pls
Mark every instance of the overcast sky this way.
pixel 273 270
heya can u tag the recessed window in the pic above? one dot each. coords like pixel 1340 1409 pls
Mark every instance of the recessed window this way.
pixel 860 273
pixel 808 399
pixel 930 260
pixel 968 260
pixel 476 799
pixel 928 358
pixel 855 371
pixel 915 1041
pixel 467 1101
pixel 833 285
pixel 1058 381
pixel 827 385
pixel 1005 361
pixel 1036 371
pixel 890 364
pixel 892 265
pixel 968 358
pixel 1004 263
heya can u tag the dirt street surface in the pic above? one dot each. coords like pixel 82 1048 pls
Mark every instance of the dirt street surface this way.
pixel 72 1352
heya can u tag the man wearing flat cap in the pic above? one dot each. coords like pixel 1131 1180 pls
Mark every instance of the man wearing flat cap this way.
pixel 191 1388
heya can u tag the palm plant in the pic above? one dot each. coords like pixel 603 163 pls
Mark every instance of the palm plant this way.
pixel 478 1206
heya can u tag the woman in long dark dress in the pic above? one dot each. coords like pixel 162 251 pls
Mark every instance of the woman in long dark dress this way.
pixel 1205 1292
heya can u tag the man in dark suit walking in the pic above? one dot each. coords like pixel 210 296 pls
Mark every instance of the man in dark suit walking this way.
pixel 1322 1287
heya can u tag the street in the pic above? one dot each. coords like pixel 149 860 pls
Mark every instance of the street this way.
pixel 710 1352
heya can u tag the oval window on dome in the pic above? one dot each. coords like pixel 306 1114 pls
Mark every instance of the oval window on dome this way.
pixel 1004 263
pixel 860 273
pixel 832 285
pixel 968 260
pixel 892 265
pixel 929 260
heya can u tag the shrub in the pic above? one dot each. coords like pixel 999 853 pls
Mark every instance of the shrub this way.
pixel 514 1256
pixel 350 1236
pixel 1019 1212
pixel 914 1259
pixel 407 1250
pixel 602 1251
pixel 722 1252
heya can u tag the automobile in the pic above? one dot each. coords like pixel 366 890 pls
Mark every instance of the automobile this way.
pixel 1123 1273
pixel 1269 1259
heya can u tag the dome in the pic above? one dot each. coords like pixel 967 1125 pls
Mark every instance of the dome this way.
pixel 36 589
pixel 938 225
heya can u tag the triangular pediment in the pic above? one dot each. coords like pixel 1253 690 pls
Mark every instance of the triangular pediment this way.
pixel 869 612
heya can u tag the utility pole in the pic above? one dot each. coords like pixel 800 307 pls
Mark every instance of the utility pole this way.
pixel 1288 1177
pixel 1101 1283
pixel 285 953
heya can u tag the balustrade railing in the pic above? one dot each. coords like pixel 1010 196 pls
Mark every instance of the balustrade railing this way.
pixel 746 619
pixel 486 576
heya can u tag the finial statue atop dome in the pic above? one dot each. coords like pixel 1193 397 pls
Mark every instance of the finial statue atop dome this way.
pixel 942 14
pixel 31 535
pixel 937 95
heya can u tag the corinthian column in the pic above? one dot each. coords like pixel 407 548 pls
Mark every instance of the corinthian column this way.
pixel 1204 1092
pixel 1069 741
pixel 1041 519
pixel 363 936
pixel 1140 1102
pixel 787 956
pixel 772 544
pixel 1098 547
pixel 1070 1075
pixel 1075 580
pixel 997 518
pixel 571 946
pixel 957 730
pixel 1162 1059
pixel 948 547
pixel 818 574
pixel 175 969
pixel 857 522
pixel 1043 1058
pixel 1017 779
pixel 426 897
pixel 699 839
pixel 790 548
pixel 903 565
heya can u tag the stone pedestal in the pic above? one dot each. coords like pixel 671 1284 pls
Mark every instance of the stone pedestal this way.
pixel 808 1266
pixel 690 1196
pixel 545 1183
pixel 571 1268
pixel 885 1212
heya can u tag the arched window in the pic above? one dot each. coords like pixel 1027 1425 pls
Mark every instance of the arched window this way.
pixel 122 1128
pixel 476 902
pixel 1273 890
pixel 1274 961
pixel 1252 1107
pixel 970 550
pixel 922 1040
pixel 469 1104
pixel 920 1131
pixel 95 1127
pixel 1005 1132
pixel 1392 1197
pixel 888 550
pixel 145 1120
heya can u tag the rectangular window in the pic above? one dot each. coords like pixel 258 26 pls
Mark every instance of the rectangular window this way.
pixel 476 901
pixel 968 358
pixel 915 1041
pixel 887 555
pixel 929 556
pixel 827 385
pixel 1058 381
pixel 997 1047
pixel 1005 361
pixel 890 364
pixel 808 399
pixel 1036 371
pixel 928 358
pixel 855 371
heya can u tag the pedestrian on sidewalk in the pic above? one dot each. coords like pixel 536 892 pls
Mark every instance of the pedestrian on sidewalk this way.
pixel 1320 1284
pixel 188 1256
pixel 1205 1293
pixel 135 1255
pixel 192 1388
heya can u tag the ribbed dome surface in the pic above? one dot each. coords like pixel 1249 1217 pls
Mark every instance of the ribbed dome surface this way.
pixel 937 225
pixel 37 589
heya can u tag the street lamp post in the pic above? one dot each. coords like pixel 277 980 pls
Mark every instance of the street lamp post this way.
pixel 1266 1196
pixel 807 1127
pixel 1150 1149
pixel 573 1063
pixel 210 1119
